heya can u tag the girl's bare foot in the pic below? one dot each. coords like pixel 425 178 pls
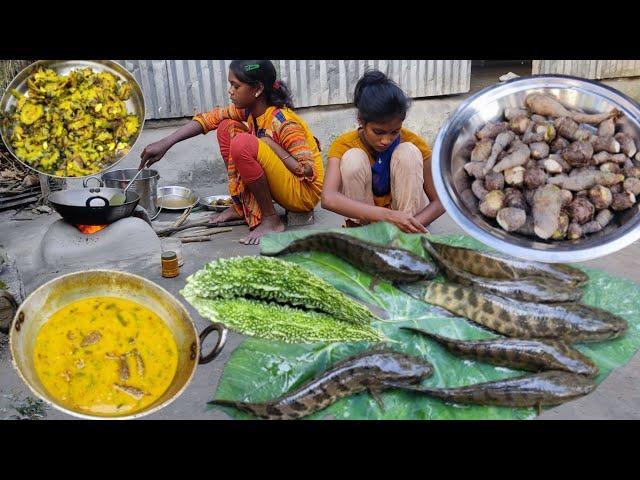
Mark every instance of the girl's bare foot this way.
pixel 271 223
pixel 225 216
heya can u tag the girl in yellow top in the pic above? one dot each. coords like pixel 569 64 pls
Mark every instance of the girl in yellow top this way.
pixel 381 172
pixel 269 151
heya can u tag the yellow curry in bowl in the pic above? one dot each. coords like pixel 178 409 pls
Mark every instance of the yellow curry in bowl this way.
pixel 105 356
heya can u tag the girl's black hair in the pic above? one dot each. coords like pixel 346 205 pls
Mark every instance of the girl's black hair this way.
pixel 255 72
pixel 379 99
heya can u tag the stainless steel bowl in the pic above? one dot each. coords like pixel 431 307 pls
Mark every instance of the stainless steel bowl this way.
pixel 47 299
pixel 451 180
pixel 209 203
pixel 176 198
pixel 135 104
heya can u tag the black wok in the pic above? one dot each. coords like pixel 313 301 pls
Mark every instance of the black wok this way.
pixel 94 206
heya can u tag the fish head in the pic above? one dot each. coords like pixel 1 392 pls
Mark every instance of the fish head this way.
pixel 408 262
pixel 396 367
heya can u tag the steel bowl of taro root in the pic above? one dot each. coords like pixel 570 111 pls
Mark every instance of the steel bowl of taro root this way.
pixel 544 168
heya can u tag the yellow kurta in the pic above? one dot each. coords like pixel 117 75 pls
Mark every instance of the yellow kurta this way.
pixel 351 139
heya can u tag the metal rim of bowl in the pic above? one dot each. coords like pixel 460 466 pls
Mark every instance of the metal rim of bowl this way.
pixel 450 199
pixel 191 194
pixel 85 416
pixel 108 65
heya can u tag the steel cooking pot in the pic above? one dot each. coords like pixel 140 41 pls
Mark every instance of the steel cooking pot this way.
pixel 38 307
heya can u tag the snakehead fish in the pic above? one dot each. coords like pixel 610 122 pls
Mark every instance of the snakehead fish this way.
pixel 568 321
pixel 530 289
pixel 530 355
pixel 547 388
pixel 494 265
pixel 373 371
pixel 390 263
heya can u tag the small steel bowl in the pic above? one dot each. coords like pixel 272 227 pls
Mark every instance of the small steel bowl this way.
pixel 176 198
pixel 209 203
pixel 451 180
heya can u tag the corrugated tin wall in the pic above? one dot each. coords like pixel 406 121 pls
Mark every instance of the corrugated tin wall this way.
pixel 180 88
pixel 593 69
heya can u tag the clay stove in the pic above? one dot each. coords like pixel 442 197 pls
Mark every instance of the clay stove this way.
pixel 96 245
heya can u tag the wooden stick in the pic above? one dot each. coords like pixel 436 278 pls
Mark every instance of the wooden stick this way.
pixel 183 217
pixel 204 238
pixel 168 231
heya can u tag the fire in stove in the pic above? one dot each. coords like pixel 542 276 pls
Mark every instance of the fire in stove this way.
pixel 89 229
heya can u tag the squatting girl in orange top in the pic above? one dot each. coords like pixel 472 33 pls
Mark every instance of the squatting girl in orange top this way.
pixel 381 171
pixel 269 151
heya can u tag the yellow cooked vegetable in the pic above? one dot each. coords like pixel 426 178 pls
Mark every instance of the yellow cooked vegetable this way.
pixel 72 125
pixel 105 356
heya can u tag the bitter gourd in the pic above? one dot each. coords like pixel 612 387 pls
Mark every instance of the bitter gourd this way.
pixel 275 280
pixel 277 322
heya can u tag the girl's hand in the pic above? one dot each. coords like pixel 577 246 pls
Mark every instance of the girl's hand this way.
pixel 153 153
pixel 405 222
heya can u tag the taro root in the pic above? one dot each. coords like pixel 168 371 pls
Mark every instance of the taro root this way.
pixel 632 185
pixel 604 157
pixel 604 217
pixel 519 125
pixel 547 130
pixel 492 130
pixel 551 166
pixel 563 226
pixel 514 198
pixel 516 158
pixel 578 154
pixel 501 142
pixel 627 145
pixel 581 210
pixel 600 196
pixel 494 181
pixel 511 219
pixel 559 144
pixel 632 171
pixel 470 200
pixel 547 105
pixel 475 169
pixel 605 144
pixel 617 188
pixel 477 187
pixel 482 150
pixel 591 227
pixel 492 203
pixel 539 150
pixel 534 177
pixel 607 128
pixel 571 130
pixel 547 202
pixel 567 197
pixel 514 176
pixel 512 113
pixel 585 180
pixel 610 167
pixel 622 201
pixel 574 231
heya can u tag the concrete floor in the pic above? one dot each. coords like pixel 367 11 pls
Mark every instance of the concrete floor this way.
pixel 618 397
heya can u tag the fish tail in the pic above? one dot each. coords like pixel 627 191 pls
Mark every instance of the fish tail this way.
pixel 228 403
